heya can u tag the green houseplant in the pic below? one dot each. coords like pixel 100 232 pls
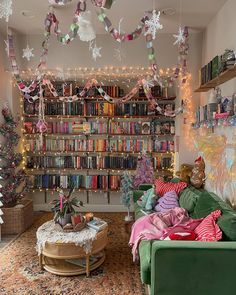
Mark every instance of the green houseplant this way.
pixel 64 207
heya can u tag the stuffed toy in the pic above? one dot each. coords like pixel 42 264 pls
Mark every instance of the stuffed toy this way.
pixel 185 172
pixel 198 173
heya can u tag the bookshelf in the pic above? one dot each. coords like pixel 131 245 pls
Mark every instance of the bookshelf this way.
pixel 225 76
pixel 91 142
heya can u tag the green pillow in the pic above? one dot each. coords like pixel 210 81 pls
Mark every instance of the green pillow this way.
pixel 175 180
pixel 205 205
pixel 188 198
pixel 148 200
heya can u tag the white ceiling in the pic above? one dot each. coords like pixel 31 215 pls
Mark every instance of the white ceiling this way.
pixel 195 13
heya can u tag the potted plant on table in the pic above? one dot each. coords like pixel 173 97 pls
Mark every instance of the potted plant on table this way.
pixel 64 207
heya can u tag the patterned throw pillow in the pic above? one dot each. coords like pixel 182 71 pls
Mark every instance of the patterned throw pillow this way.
pixel 167 202
pixel 148 200
pixel 164 187
pixel 208 230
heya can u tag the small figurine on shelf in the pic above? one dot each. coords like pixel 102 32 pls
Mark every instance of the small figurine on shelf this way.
pixel 63 207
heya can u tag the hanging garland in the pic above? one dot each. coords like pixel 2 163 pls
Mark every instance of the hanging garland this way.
pixel 116 34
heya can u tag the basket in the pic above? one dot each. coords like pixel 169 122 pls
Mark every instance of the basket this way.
pixel 17 220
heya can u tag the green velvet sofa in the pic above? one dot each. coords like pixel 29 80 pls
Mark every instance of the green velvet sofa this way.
pixel 191 267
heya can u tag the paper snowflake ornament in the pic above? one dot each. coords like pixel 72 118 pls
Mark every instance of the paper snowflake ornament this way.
pixel 7 47
pixel 119 54
pixel 27 53
pixel 5 9
pixel 153 24
pixel 96 52
pixel 180 38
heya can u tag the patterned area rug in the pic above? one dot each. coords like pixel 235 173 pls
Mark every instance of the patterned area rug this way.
pixel 20 272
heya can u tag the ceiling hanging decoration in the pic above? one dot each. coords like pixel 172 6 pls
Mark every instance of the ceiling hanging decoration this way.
pixel 179 37
pixel 5 9
pixel 103 3
pixel 86 31
pixel 95 50
pixel 59 2
pixel 116 34
pixel 153 24
pixel 28 53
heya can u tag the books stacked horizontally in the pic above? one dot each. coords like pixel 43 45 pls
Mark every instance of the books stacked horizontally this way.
pixel 97 224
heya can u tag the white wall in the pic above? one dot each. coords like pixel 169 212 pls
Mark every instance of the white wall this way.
pixel 218 36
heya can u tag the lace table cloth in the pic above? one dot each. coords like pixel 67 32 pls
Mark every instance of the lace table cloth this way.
pixel 50 232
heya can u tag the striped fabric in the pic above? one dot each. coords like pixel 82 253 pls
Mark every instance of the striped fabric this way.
pixel 208 230
pixel 167 202
pixel 164 187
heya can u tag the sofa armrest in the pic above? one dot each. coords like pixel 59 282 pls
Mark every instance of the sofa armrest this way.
pixel 145 251
pixel 186 267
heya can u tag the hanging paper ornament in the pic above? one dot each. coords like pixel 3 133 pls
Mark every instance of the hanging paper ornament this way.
pixel 153 24
pixel 95 50
pixel 27 53
pixel 119 54
pixel 86 31
pixel 5 9
pixel 59 2
pixel 103 3
pixel 7 47
pixel 180 38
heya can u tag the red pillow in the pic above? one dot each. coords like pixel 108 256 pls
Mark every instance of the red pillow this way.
pixel 208 230
pixel 164 187
pixel 187 235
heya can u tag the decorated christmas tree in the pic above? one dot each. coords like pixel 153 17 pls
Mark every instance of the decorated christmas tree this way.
pixel 13 179
pixel 126 192
pixel 144 172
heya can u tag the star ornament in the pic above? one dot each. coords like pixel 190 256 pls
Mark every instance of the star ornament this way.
pixel 96 52
pixel 27 53
pixel 153 24
pixel 180 37
pixel 7 47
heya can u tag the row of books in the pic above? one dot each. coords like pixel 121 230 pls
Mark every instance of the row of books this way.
pixel 70 88
pixel 164 146
pixel 216 66
pixel 51 181
pixel 92 162
pixel 64 108
pixel 101 127
pixel 89 108
pixel 82 162
pixel 156 91
pixel 99 145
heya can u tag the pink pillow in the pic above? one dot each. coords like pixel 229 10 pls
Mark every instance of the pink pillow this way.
pixel 164 187
pixel 208 230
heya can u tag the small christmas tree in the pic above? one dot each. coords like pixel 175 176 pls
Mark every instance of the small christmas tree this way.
pixel 126 192
pixel 10 160
pixel 144 172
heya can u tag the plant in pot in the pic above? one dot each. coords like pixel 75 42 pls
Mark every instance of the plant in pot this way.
pixel 64 207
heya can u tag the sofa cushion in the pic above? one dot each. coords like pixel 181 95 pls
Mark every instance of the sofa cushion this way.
pixel 145 186
pixel 188 198
pixel 209 202
pixel 167 202
pixel 208 230
pixel 205 205
pixel 147 200
pixel 164 187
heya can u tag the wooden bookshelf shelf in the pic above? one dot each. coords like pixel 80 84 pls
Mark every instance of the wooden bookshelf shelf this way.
pixel 83 126
pixel 222 78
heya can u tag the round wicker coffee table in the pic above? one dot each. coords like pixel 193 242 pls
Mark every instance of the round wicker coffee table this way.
pixel 73 258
